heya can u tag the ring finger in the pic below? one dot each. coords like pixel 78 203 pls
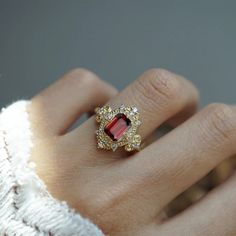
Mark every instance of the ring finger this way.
pixel 158 94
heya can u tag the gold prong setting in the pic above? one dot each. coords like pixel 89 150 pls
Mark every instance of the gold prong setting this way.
pixel 129 138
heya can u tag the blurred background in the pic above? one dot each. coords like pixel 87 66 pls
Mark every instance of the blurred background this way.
pixel 118 40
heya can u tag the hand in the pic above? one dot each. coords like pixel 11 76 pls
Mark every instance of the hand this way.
pixel 125 195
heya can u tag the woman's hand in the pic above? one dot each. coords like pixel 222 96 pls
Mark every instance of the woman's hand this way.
pixel 125 195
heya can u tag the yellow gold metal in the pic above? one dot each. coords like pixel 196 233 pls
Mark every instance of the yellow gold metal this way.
pixel 130 140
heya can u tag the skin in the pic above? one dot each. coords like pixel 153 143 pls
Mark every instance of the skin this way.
pixel 125 194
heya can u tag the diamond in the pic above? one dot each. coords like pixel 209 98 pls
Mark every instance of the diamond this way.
pixel 114 146
pixel 108 116
pixel 100 145
pixel 137 122
pixel 97 110
pixel 137 139
pixel 128 148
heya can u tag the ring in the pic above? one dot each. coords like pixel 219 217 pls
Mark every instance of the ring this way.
pixel 118 127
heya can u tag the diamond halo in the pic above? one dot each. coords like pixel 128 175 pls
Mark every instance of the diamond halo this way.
pixel 118 128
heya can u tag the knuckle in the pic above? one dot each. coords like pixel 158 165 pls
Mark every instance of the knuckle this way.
pixel 159 83
pixel 222 119
pixel 82 76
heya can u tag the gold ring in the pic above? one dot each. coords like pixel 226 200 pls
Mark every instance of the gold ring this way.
pixel 118 127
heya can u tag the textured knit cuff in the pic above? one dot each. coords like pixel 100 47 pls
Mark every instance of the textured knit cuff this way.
pixel 26 207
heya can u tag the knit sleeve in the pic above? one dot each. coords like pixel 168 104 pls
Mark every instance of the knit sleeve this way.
pixel 26 206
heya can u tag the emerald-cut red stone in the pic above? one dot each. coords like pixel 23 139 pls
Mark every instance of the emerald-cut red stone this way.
pixel 117 126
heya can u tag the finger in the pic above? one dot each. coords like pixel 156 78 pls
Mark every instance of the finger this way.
pixel 183 156
pixel 58 106
pixel 214 215
pixel 158 94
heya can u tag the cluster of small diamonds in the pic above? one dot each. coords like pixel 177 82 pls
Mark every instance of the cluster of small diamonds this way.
pixel 130 140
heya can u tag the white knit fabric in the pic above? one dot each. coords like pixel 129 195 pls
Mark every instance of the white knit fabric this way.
pixel 26 207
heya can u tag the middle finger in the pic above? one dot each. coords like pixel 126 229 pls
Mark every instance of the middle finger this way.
pixel 183 156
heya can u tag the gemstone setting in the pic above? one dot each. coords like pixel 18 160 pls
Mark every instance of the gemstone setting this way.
pixel 118 127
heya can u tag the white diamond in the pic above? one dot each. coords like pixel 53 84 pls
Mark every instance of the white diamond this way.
pixel 100 145
pixel 108 116
pixel 130 134
pixel 122 108
pixel 98 110
pixel 114 146
pixel 137 122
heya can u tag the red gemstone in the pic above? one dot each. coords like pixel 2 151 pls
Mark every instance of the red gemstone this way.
pixel 117 126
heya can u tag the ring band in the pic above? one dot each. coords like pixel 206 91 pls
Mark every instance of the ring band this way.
pixel 118 128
